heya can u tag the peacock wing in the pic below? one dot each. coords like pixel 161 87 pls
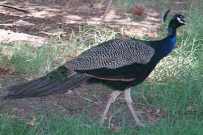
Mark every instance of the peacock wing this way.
pixel 113 54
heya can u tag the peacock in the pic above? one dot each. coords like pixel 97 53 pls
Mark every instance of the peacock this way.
pixel 119 63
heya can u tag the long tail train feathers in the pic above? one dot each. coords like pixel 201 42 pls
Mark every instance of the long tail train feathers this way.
pixel 58 81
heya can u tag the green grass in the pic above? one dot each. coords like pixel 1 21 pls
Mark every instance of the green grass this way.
pixel 29 60
pixel 55 126
pixel 176 86
pixel 180 127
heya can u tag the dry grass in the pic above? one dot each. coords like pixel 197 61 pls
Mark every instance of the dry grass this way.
pixel 179 94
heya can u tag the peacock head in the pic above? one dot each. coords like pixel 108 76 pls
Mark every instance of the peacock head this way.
pixel 176 21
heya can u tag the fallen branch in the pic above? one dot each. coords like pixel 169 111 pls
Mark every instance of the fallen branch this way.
pixel 7 36
pixel 16 8
pixel 107 9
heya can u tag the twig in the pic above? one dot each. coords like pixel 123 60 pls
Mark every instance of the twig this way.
pixel 16 8
pixel 107 9
pixel 86 98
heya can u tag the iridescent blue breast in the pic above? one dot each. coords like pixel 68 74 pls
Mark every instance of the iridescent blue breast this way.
pixel 168 45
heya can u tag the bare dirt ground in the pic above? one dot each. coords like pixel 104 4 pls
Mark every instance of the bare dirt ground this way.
pixel 88 101
pixel 58 18
pixel 42 19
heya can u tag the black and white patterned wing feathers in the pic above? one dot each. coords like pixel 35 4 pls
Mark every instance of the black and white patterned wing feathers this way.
pixel 113 54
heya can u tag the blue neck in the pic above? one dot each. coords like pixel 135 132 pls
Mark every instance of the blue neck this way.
pixel 171 31
pixel 169 43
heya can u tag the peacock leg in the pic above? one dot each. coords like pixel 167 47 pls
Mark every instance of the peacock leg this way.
pixel 111 100
pixel 130 106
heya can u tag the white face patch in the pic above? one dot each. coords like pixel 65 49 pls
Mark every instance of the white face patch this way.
pixel 180 20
